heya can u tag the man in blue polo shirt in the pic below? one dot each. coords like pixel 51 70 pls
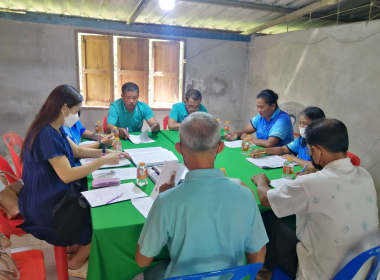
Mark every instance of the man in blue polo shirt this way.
pixel 180 111
pixel 208 222
pixel 128 114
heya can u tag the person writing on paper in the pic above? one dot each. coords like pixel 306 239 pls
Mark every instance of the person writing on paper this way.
pixel 48 155
pixel 297 150
pixel 180 111
pixel 336 209
pixel 273 127
pixel 201 212
pixel 128 113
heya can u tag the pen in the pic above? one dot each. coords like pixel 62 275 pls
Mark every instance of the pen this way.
pixel 114 198
pixel 304 168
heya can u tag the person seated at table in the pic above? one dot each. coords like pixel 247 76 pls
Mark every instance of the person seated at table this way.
pixel 48 155
pixel 128 113
pixel 297 150
pixel 180 111
pixel 336 209
pixel 273 127
pixel 198 218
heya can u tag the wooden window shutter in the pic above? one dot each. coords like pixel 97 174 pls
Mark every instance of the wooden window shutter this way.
pixel 166 71
pixel 133 64
pixel 97 74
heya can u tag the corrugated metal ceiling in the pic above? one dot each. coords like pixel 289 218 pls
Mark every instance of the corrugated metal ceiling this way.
pixel 190 13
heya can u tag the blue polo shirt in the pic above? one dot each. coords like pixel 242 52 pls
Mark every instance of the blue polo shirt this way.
pixel 75 132
pixel 207 222
pixel 296 148
pixel 119 116
pixel 179 112
pixel 279 126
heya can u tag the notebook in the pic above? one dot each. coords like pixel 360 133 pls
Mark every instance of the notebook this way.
pixel 268 162
pixel 233 144
pixel 151 156
pixel 122 162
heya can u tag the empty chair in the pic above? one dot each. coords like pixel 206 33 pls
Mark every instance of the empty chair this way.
pixel 165 121
pixel 355 160
pixel 105 124
pixel 12 140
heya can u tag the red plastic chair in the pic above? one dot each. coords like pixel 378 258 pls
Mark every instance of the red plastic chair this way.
pixel 12 139
pixel 105 124
pixel 355 160
pixel 4 166
pixel 166 121
pixel 30 264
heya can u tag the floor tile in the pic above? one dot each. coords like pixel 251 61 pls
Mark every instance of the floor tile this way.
pixel 49 257
pixel 24 241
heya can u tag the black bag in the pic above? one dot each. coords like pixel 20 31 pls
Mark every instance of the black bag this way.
pixel 70 214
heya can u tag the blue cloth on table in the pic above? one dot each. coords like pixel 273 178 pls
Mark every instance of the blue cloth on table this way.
pixel 43 188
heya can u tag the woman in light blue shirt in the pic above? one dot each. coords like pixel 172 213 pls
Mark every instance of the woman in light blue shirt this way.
pixel 273 127
pixel 297 150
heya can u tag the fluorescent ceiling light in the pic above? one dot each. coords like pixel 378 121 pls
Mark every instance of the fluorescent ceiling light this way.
pixel 167 4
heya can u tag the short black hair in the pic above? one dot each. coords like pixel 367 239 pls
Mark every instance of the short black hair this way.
pixel 193 94
pixel 269 96
pixel 130 87
pixel 331 134
pixel 313 113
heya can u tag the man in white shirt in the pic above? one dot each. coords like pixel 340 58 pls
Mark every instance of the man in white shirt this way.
pixel 336 208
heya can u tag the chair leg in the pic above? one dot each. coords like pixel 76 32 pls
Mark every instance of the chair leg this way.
pixel 61 262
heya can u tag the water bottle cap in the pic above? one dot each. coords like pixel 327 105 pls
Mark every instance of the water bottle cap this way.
pixel 114 127
pixel 117 138
pixel 289 159
pixel 223 169
pixel 249 135
pixel 98 122
pixel 218 119
pixel 142 163
pixel 246 139
pixel 227 121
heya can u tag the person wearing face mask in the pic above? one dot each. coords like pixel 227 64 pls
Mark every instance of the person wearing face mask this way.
pixel 48 162
pixel 273 127
pixel 180 111
pixel 297 150
pixel 336 210
pixel 197 218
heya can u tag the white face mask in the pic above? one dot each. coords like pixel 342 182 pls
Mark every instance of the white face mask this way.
pixel 70 120
pixel 302 132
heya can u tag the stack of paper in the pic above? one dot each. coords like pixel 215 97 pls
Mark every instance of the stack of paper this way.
pixel 268 162
pixel 279 182
pixel 121 173
pixel 151 156
pixel 122 162
pixel 233 144
pixel 140 139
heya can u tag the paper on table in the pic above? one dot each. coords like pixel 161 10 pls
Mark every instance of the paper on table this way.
pixel 143 150
pixel 143 205
pixel 268 162
pixel 86 143
pixel 233 144
pixel 166 173
pixel 105 196
pixel 142 138
pixel 121 173
pixel 154 158
pixel 279 182
pixel 122 162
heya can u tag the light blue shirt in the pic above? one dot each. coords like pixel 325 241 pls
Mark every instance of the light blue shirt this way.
pixel 279 126
pixel 179 112
pixel 207 222
pixel 75 132
pixel 297 149
pixel 119 116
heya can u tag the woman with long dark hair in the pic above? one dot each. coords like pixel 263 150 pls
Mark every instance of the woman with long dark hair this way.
pixel 49 168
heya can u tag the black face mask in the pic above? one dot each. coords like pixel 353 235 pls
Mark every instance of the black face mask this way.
pixel 317 166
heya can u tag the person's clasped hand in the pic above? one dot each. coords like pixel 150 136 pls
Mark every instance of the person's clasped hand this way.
pixel 260 179
pixel 231 136
pixel 170 184
pixel 155 127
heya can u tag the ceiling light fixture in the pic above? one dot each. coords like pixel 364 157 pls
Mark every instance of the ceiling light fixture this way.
pixel 167 4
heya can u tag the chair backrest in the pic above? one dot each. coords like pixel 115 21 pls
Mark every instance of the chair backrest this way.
pixel 349 271
pixel 12 140
pixel 166 120
pixel 239 273
pixel 4 166
pixel 355 160
pixel 105 124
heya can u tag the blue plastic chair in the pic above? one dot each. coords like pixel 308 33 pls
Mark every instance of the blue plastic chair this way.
pixel 239 273
pixel 349 270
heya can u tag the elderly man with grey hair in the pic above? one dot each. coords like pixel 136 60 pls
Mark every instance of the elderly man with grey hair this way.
pixel 208 222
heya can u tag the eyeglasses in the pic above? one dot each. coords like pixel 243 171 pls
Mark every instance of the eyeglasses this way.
pixel 193 107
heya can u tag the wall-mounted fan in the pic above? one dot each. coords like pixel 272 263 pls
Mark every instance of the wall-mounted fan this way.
pixel 293 109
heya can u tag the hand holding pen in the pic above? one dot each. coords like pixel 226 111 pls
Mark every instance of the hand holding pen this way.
pixel 258 153
pixel 124 133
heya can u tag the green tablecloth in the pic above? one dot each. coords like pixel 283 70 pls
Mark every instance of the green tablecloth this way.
pixel 117 226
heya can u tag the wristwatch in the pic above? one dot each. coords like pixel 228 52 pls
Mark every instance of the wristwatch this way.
pixel 101 145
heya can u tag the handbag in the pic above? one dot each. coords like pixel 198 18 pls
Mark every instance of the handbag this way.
pixel 8 196
pixel 8 269
pixel 70 214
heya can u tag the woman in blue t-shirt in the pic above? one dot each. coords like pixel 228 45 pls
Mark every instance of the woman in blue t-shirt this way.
pixel 49 168
pixel 273 127
pixel 297 150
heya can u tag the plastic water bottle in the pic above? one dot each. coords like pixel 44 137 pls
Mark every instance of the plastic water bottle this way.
pixel 142 175
pixel 117 145
pixel 250 140
pixel 115 132
pixel 224 171
pixel 98 127
pixel 227 128
pixel 245 144
pixel 287 171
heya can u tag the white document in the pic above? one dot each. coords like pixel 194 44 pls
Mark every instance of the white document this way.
pixel 143 150
pixel 233 144
pixel 121 173
pixel 166 173
pixel 154 157
pixel 122 162
pixel 140 139
pixel 143 205
pixel 86 143
pixel 279 182
pixel 109 195
pixel 268 162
